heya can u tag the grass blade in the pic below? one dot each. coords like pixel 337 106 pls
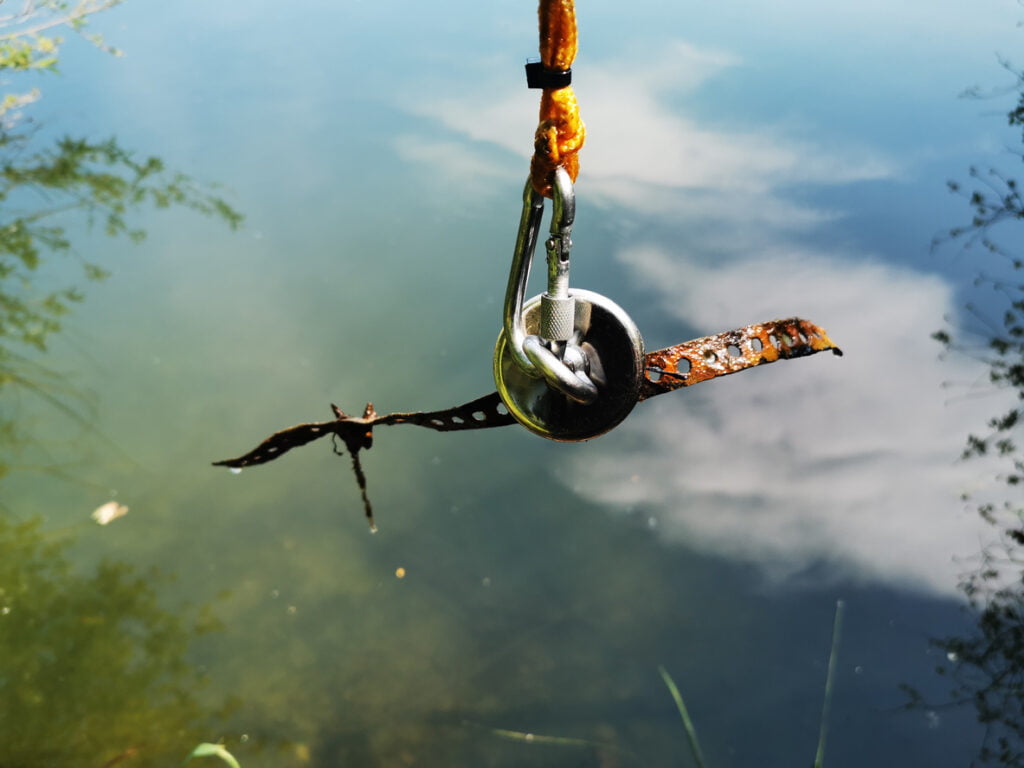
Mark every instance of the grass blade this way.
pixel 536 738
pixel 833 655
pixel 691 732
pixel 212 750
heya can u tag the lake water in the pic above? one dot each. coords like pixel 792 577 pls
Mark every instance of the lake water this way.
pixel 744 161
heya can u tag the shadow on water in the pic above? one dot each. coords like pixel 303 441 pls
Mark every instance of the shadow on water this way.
pixel 985 668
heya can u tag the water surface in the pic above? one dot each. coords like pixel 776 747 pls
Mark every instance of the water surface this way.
pixel 744 162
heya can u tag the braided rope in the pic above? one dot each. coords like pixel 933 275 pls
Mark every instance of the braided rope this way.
pixel 560 131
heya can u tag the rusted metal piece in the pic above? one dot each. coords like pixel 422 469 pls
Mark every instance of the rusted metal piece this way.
pixel 359 436
pixel 482 413
pixel 665 370
pixel 357 431
pixel 712 356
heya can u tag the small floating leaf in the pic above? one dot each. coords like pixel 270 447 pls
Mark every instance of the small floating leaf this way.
pixel 212 750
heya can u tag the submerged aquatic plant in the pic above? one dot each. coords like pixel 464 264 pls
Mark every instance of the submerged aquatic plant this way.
pixel 93 669
pixel 684 714
pixel 691 732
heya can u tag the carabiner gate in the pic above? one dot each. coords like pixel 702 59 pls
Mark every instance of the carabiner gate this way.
pixel 554 354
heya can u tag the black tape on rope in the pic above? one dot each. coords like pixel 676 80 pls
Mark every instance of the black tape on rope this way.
pixel 539 76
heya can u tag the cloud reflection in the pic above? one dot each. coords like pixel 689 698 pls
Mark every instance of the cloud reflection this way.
pixel 640 153
pixel 849 462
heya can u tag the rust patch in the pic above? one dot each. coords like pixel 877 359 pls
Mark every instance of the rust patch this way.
pixel 692 362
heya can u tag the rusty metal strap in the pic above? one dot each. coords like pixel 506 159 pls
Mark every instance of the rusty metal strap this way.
pixel 666 370
pixel 707 358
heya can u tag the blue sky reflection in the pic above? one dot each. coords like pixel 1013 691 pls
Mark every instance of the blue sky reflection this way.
pixel 745 160
pixel 853 461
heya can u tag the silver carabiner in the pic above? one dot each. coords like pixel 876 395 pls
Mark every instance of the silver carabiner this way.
pixel 554 354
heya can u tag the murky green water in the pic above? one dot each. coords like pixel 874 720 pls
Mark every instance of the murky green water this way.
pixel 378 152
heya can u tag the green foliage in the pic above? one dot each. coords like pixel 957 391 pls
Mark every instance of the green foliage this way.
pixel 986 667
pixel 48 190
pixel 91 667
pixel 36 53
pixel 100 180
pixel 995 200
pixel 27 45
pixel 25 32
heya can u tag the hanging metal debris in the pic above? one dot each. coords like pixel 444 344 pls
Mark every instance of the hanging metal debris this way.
pixel 665 370
pixel 569 364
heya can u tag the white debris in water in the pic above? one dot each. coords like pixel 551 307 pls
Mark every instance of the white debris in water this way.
pixel 109 512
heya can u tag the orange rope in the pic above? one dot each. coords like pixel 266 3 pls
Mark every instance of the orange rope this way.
pixel 560 132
